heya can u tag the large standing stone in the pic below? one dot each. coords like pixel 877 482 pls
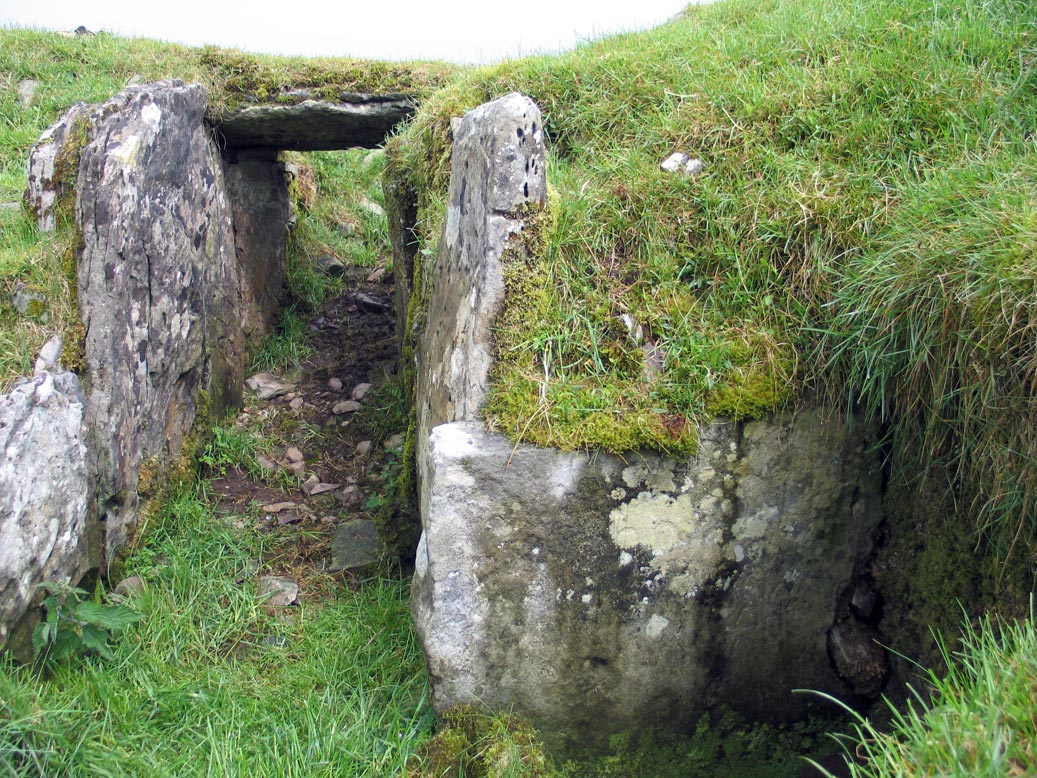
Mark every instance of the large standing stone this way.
pixel 258 193
pixel 158 288
pixel 497 167
pixel 44 485
pixel 595 594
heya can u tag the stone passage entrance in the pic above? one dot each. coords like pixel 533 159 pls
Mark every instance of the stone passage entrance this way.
pixel 180 266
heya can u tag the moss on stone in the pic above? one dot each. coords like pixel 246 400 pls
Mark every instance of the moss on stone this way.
pixel 236 79
pixel 476 743
pixel 66 169
pixel 760 382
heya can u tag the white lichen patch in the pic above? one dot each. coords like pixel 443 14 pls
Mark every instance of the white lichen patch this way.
pixel 152 115
pixel 685 537
pixel 659 478
pixel 655 521
pixel 656 626
pixel 755 525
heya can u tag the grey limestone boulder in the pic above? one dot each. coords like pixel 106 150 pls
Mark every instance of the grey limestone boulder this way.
pixel 44 488
pixel 158 288
pixel 596 594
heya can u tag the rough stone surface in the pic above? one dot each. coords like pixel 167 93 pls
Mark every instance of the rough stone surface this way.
pixel 355 120
pixel 45 187
pixel 48 357
pixel 277 592
pixel 497 167
pixel 596 594
pixel 158 288
pixel 258 194
pixel 356 545
pixel 44 484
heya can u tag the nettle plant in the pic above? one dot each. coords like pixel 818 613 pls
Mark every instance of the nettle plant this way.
pixel 75 625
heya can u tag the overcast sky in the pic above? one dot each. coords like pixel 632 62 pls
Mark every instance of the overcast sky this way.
pixel 456 30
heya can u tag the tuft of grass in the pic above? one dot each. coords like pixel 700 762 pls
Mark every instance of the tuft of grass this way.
pixel 231 446
pixel 198 685
pixel 978 720
pixel 284 349
pixel 934 332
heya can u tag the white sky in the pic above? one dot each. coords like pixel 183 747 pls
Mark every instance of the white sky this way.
pixel 456 30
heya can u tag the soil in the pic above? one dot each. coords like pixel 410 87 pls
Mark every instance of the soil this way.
pixel 352 337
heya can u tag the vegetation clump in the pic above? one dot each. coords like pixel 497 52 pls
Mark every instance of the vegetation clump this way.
pixel 75 624
pixel 477 744
pixel 976 719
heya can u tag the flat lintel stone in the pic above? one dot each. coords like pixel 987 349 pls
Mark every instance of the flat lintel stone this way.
pixel 312 125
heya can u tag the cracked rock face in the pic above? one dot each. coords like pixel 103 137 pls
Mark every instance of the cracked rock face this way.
pixel 158 288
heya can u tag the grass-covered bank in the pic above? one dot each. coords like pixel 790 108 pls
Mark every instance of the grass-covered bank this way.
pixel 211 683
pixel 862 230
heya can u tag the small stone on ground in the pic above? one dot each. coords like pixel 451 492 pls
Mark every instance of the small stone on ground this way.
pixel 356 545
pixel 346 406
pixel 278 592
pixel 277 507
pixel 267 386
pixel 130 587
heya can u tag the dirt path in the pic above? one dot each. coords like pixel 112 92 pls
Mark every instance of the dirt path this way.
pixel 327 444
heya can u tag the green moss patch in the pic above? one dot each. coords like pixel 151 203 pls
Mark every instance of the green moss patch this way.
pixel 474 743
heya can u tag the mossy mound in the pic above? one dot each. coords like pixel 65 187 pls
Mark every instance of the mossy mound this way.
pixel 477 744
